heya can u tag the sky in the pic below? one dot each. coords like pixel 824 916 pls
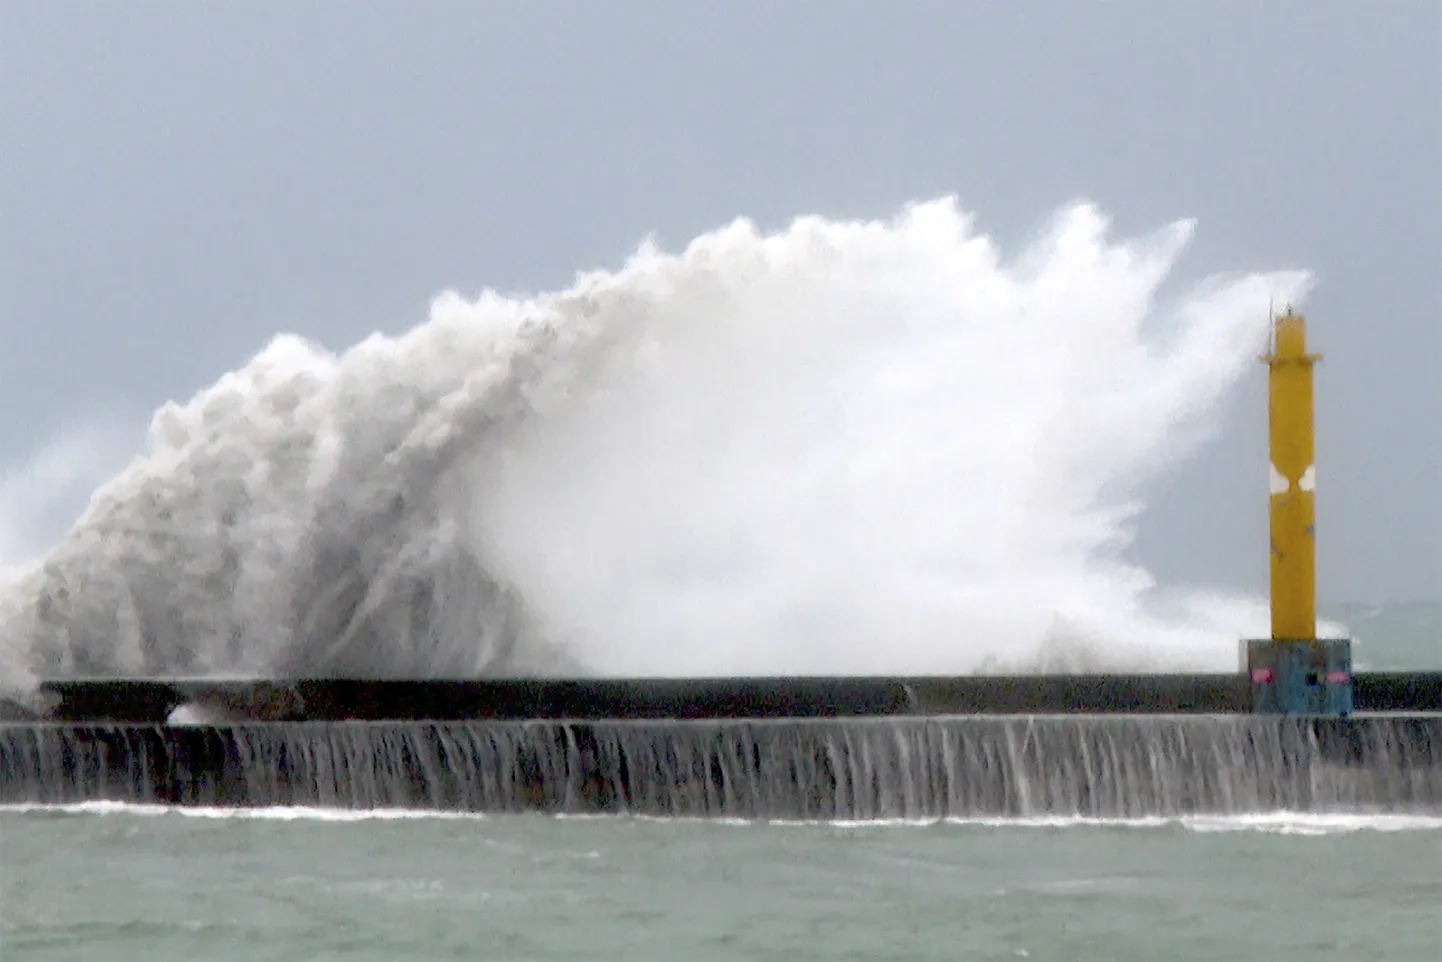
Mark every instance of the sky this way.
pixel 179 182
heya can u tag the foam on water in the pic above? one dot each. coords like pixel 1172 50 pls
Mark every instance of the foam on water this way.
pixel 841 448
pixel 279 813
pixel 1280 823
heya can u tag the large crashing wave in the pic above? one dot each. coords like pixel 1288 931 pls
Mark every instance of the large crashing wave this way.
pixel 843 447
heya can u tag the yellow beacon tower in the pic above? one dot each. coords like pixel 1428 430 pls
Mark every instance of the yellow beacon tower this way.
pixel 1294 672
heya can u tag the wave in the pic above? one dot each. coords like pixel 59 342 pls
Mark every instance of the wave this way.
pixel 840 447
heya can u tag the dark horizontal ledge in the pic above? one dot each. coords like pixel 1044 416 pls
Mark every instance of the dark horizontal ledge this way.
pixel 151 700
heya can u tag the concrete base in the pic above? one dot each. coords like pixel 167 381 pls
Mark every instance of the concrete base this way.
pixel 1311 676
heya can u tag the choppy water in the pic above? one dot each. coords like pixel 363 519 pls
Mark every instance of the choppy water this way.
pixel 134 884
pixel 1403 636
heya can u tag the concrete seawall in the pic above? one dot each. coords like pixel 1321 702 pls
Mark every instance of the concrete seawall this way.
pixel 862 748
pixel 847 768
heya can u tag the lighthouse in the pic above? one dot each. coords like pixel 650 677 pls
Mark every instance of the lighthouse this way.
pixel 1294 672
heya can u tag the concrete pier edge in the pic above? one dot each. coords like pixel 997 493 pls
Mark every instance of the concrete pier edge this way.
pixel 152 700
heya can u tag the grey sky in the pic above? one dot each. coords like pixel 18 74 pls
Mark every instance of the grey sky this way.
pixel 180 181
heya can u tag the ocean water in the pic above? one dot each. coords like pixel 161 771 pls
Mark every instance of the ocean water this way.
pixel 1402 636
pixel 141 884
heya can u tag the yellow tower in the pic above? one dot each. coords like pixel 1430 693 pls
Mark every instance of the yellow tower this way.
pixel 1293 480
pixel 1294 672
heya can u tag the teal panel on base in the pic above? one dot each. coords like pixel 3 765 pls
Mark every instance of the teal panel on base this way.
pixel 1301 677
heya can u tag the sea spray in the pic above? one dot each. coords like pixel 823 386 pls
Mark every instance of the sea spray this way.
pixel 840 447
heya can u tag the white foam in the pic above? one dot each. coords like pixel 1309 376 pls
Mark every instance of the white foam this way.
pixel 1308 823
pixel 843 447
pixel 1274 823
pixel 277 813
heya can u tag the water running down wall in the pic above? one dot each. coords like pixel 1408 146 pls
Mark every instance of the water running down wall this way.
pixel 831 769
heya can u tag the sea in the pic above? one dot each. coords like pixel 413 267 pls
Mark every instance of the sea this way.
pixel 843 447
pixel 155 886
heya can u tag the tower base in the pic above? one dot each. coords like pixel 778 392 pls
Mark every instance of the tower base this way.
pixel 1310 676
